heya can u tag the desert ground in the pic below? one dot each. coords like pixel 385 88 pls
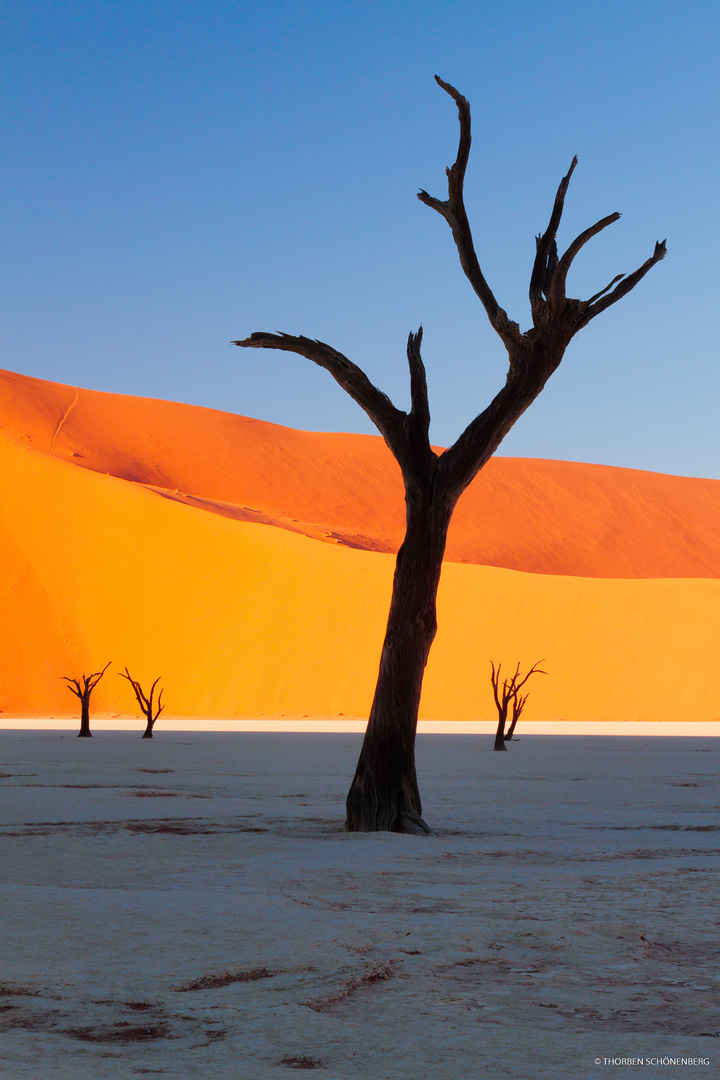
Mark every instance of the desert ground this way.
pixel 191 907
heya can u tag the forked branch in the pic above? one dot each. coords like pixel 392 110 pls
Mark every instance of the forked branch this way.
pixel 453 210
pixel 549 275
pixel 534 670
pixel 600 302
pixel 546 246
pixel 349 376
pixel 89 682
pixel 556 290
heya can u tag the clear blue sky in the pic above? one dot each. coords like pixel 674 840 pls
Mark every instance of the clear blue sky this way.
pixel 177 174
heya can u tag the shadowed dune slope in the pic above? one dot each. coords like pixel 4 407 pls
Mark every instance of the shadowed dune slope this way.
pixel 541 517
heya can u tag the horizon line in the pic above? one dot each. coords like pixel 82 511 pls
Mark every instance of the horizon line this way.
pixel 338 725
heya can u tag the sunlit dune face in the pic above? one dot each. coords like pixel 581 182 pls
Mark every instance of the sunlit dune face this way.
pixel 183 543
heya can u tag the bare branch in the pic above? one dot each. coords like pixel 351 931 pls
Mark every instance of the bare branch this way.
pixel 462 461
pixel 349 376
pixel 442 208
pixel 89 682
pixel 453 210
pixel 618 277
pixel 456 174
pixel 495 680
pixel 556 292
pixel 159 706
pixel 552 262
pixel 92 680
pixel 539 277
pixel 126 675
pixel 519 705
pixel 420 408
pixel 73 686
pixel 628 283
pixel 534 670
pixel 141 699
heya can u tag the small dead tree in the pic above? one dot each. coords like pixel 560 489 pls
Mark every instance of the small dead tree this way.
pixel 518 704
pixel 83 688
pixel 509 699
pixel 150 710
pixel 384 793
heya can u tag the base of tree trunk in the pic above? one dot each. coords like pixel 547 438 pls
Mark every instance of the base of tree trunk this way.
pixel 147 735
pixel 414 825
pixel 409 823
pixel 374 806
pixel 84 734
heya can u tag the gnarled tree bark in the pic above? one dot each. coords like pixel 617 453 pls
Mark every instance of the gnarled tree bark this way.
pixel 384 792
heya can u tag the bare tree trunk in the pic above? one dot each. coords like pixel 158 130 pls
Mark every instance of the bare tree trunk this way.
pixel 500 735
pixel 148 732
pixel 384 792
pixel 511 730
pixel 85 732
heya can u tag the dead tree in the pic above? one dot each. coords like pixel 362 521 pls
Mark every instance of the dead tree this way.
pixel 518 704
pixel 145 701
pixel 384 793
pixel 83 688
pixel 509 698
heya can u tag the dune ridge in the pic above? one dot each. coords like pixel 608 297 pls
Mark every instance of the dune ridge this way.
pixel 537 516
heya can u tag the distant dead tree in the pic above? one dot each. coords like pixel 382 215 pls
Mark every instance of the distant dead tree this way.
pixel 83 688
pixel 145 701
pixel 384 793
pixel 509 699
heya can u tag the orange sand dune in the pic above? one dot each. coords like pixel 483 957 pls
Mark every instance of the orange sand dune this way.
pixel 542 517
pixel 248 620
